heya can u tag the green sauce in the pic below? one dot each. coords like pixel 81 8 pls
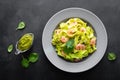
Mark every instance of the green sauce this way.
pixel 25 42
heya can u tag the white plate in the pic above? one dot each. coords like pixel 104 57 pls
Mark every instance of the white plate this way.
pixel 89 62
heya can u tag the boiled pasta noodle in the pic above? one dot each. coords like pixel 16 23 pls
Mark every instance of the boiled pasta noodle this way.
pixel 82 34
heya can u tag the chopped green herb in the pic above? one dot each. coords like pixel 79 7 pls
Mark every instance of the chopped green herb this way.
pixel 68 50
pixel 21 25
pixel 10 48
pixel 25 63
pixel 33 57
pixel 70 43
pixel 111 56
pixel 69 46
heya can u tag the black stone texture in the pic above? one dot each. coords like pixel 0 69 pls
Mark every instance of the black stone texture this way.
pixel 36 13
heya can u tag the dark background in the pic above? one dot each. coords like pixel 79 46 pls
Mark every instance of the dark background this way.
pixel 35 13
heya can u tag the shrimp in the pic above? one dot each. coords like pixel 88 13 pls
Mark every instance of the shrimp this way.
pixel 80 47
pixel 93 41
pixel 83 29
pixel 77 60
pixel 70 32
pixel 63 39
pixel 63 54
pixel 73 24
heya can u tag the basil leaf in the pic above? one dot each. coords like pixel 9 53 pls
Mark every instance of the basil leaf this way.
pixel 33 57
pixel 69 46
pixel 70 43
pixel 111 56
pixel 10 48
pixel 68 50
pixel 25 63
pixel 21 25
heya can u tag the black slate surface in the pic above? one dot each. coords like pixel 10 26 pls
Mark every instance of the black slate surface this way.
pixel 35 13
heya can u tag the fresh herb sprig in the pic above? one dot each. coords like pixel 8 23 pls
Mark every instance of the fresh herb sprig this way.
pixel 10 48
pixel 21 25
pixel 32 58
pixel 69 46
pixel 111 56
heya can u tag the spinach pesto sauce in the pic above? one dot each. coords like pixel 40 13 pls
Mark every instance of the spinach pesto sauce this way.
pixel 25 42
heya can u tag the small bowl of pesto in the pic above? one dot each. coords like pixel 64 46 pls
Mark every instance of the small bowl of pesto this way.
pixel 24 43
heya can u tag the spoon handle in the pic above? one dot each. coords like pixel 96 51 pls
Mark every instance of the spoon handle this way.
pixel 17 52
